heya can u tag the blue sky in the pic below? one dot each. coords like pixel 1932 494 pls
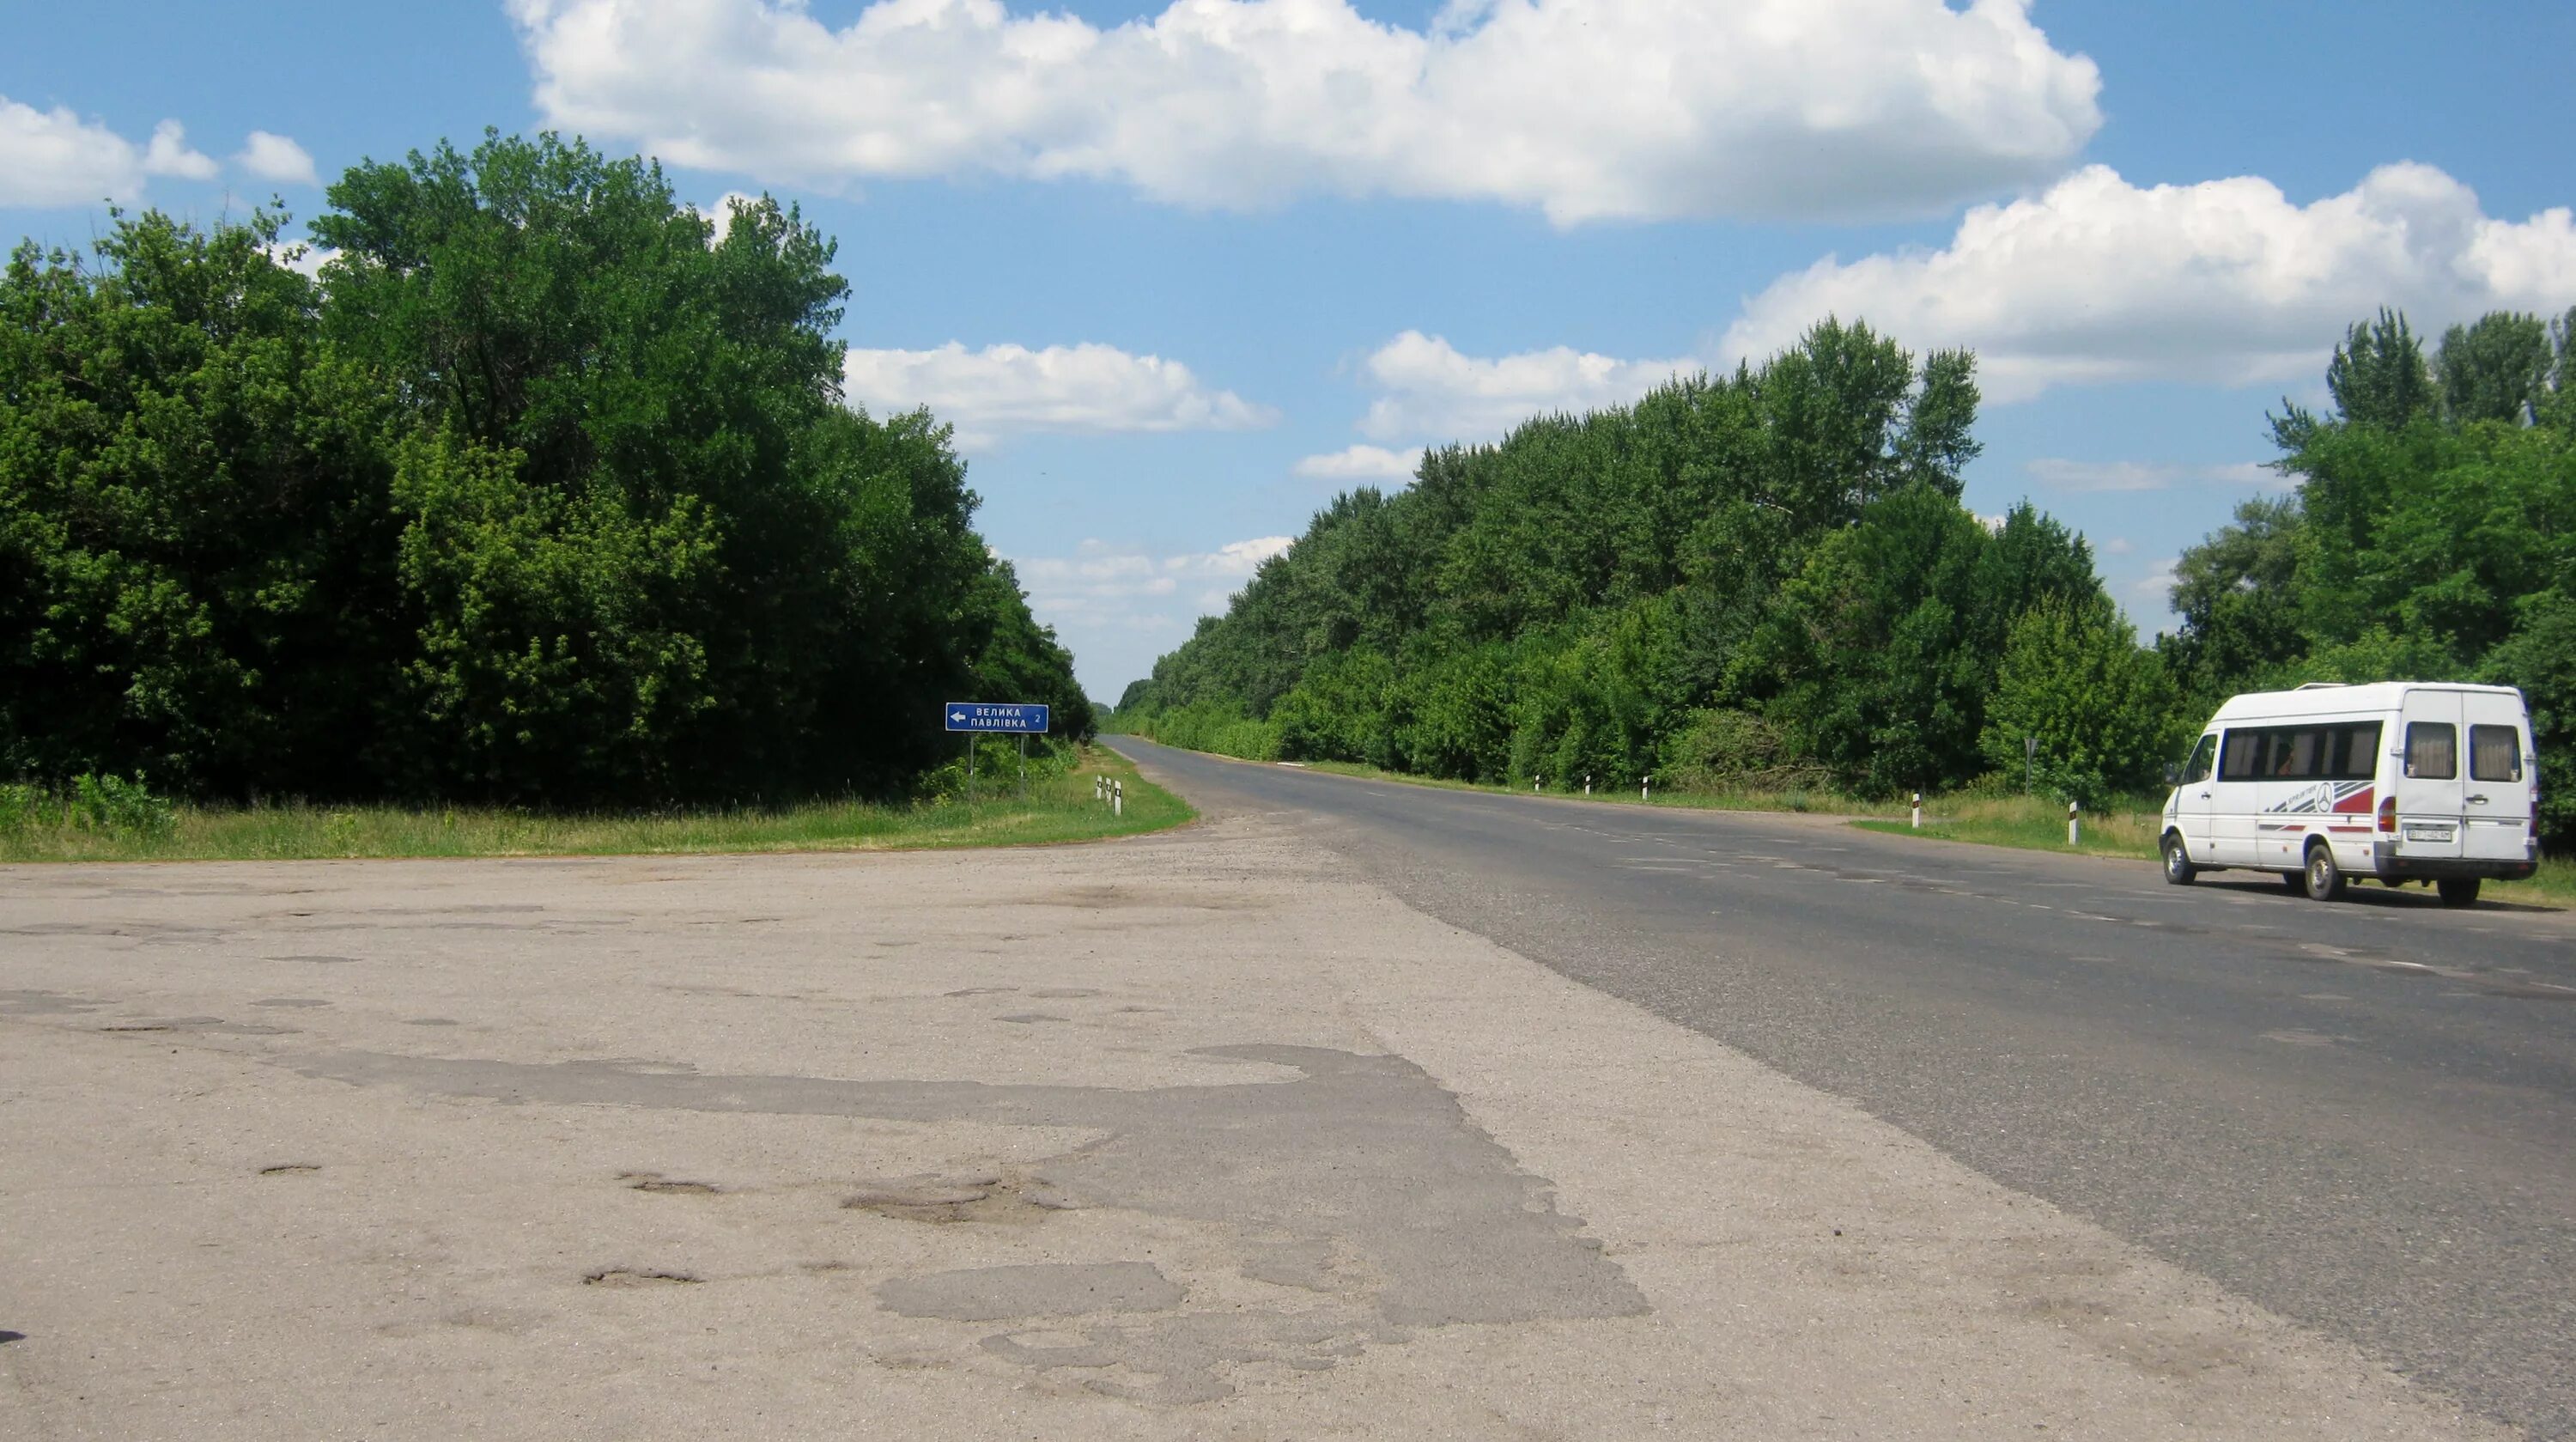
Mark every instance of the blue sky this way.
pixel 1179 272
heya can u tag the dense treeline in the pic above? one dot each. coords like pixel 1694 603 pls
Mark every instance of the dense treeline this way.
pixel 1759 578
pixel 2432 534
pixel 543 492
pixel 1767 580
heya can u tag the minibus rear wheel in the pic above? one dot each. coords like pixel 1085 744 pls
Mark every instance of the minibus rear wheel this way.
pixel 2178 867
pixel 2324 878
pixel 2458 890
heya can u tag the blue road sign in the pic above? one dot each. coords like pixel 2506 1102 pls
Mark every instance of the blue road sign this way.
pixel 1015 719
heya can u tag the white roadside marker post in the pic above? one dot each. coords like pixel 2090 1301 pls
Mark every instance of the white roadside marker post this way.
pixel 2074 833
pixel 1118 798
pixel 1587 785
pixel 1918 810
pixel 1646 789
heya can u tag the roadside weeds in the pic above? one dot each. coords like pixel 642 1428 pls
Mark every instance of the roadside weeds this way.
pixel 1057 809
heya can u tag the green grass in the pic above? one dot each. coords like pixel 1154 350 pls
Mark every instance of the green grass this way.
pixel 2033 823
pixel 2132 832
pixel 1058 809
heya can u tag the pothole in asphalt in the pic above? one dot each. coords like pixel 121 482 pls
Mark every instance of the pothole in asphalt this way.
pixel 661 1185
pixel 632 1277
pixel 942 1201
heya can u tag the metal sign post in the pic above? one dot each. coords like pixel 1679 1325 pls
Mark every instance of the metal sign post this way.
pixel 1015 718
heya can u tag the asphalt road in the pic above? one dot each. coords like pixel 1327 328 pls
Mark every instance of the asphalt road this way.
pixel 2358 1115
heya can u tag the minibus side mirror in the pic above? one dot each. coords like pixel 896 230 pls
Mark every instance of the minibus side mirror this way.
pixel 2173 773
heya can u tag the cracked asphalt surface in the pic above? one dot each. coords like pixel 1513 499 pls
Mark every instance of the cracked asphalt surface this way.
pixel 2357 1115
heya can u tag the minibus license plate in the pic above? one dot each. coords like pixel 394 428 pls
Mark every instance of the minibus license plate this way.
pixel 2428 833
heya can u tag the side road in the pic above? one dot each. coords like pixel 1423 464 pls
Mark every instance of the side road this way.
pixel 1191 1135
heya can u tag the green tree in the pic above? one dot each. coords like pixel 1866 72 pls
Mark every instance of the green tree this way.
pixel 2102 709
pixel 545 494
pixel 653 554
pixel 2494 370
pixel 195 568
pixel 2378 377
pixel 2233 592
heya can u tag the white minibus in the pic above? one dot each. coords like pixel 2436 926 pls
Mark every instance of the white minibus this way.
pixel 2398 781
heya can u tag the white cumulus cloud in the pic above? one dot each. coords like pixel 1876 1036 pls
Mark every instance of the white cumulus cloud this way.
pixel 2095 281
pixel 53 157
pixel 1359 463
pixel 1428 389
pixel 1105 587
pixel 2225 282
pixel 1586 109
pixel 277 158
pixel 1079 389
pixel 168 154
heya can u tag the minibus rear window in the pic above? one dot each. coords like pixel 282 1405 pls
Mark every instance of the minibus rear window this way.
pixel 2495 753
pixel 2432 750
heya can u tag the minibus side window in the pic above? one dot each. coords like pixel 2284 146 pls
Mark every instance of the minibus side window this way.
pixel 2197 768
pixel 2352 753
pixel 2295 753
pixel 2432 750
pixel 2495 753
pixel 2241 759
pixel 2289 753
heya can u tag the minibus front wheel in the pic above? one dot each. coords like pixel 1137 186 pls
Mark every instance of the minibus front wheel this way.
pixel 2324 878
pixel 2178 867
